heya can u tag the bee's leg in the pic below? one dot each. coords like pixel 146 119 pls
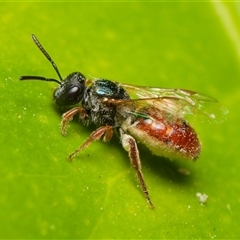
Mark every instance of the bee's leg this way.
pixel 107 131
pixel 130 145
pixel 68 116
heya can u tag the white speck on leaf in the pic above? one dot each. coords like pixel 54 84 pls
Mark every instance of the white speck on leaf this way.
pixel 202 197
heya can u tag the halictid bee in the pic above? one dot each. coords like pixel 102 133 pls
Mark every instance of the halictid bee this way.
pixel 153 116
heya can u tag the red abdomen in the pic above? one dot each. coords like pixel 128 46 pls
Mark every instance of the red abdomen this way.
pixel 166 136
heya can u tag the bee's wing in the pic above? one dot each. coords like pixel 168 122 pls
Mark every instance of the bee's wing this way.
pixel 177 102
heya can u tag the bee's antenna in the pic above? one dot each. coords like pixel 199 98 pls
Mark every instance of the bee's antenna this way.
pixel 39 45
pixel 39 78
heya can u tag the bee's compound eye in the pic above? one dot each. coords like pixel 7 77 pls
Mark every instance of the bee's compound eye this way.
pixel 71 90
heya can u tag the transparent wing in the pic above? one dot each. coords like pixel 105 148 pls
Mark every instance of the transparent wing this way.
pixel 176 102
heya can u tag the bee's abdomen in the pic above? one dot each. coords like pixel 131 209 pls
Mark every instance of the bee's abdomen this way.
pixel 165 137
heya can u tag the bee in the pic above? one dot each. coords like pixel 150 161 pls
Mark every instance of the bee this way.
pixel 154 116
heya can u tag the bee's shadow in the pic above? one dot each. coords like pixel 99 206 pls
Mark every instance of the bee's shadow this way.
pixel 175 171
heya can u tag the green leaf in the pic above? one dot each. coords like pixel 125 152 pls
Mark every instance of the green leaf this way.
pixel 167 44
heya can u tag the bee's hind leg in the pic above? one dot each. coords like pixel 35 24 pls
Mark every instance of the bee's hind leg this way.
pixel 130 145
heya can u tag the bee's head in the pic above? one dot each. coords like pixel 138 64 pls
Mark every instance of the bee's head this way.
pixel 70 90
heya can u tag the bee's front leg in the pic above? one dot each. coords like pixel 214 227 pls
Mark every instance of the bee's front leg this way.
pixel 130 145
pixel 68 116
